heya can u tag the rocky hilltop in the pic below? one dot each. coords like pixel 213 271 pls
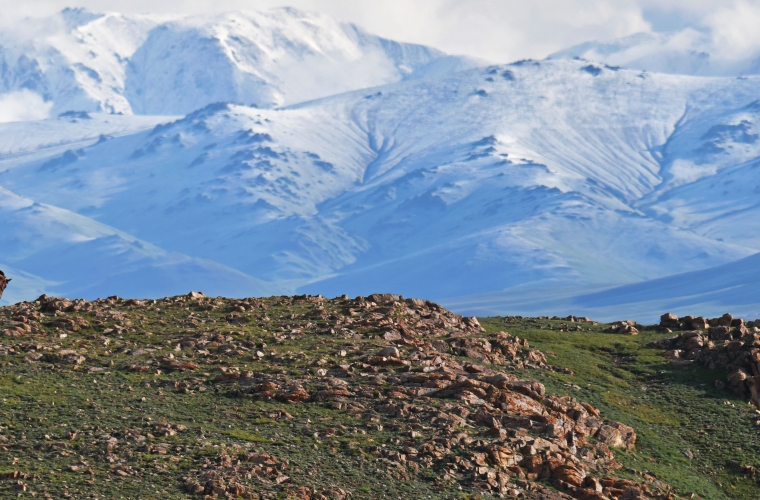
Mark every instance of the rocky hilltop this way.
pixel 293 397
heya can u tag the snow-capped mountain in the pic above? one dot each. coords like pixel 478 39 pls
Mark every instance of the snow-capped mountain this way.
pixel 542 174
pixel 171 65
pixel 560 186
pixel 76 60
pixel 267 59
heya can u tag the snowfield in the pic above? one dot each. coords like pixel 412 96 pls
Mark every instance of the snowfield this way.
pixel 549 187
pixel 172 65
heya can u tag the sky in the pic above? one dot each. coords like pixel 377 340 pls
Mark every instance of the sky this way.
pixel 499 31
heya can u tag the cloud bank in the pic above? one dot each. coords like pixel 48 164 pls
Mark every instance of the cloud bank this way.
pixel 23 105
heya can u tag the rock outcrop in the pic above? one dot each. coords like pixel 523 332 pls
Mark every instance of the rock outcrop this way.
pixel 722 343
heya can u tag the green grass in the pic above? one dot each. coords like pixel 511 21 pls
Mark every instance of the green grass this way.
pixel 251 437
pixel 41 404
pixel 676 411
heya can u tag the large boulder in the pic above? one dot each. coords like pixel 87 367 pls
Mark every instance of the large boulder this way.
pixel 617 435
pixel 669 320
pixel 694 323
pixel 623 327
pixel 724 320
pixel 721 332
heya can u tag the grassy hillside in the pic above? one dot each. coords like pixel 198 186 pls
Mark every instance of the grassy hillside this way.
pixel 692 435
pixel 293 397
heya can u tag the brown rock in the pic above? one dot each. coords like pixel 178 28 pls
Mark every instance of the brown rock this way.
pixel 724 320
pixel 571 474
pixel 534 389
pixel 389 352
pixel 623 328
pixel 519 404
pixel 669 320
pixel 695 323
pixel 617 435
pixel 721 332
pixel 533 464
pixel 69 356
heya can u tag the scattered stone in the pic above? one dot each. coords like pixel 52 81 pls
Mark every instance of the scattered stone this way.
pixel 460 403
pixel 389 352
pixel 624 328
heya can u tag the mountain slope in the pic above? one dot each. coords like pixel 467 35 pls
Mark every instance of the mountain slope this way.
pixel 173 65
pixel 708 292
pixel 267 59
pixel 59 251
pixel 501 177
pixel 76 60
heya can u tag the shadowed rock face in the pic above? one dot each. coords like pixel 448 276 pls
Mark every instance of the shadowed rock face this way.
pixel 3 283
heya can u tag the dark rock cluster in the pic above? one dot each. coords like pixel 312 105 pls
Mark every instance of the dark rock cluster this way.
pixel 728 343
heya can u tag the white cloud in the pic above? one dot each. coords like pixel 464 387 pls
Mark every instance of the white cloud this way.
pixel 23 105
pixel 499 30
pixel 735 29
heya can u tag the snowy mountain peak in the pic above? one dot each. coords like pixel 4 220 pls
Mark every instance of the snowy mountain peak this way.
pixel 273 58
pixel 508 176
pixel 76 17
pixel 172 65
pixel 251 155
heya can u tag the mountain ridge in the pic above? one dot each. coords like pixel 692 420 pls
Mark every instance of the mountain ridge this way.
pixel 411 183
pixel 144 64
pixel 558 173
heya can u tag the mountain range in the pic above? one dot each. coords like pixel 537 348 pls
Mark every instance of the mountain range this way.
pixel 172 65
pixel 285 152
